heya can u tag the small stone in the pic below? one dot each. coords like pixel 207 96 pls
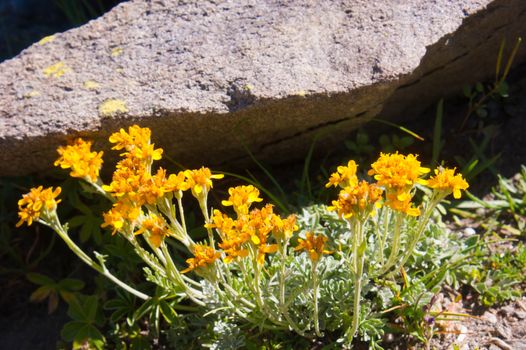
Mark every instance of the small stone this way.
pixel 470 231
pixel 501 344
pixel 489 317
pixel 503 331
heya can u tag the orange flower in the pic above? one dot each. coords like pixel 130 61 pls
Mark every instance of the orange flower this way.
pixel 359 200
pixel 313 245
pixel 36 203
pixel 137 144
pixel 446 181
pixel 157 228
pixel 397 171
pixel 83 162
pixel 200 180
pixel 401 202
pixel 203 256
pixel 241 198
pixel 344 176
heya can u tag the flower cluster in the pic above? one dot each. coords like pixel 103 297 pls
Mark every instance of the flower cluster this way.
pixel 37 202
pixel 398 174
pixel 313 245
pixel 204 256
pixel 133 185
pixel 446 182
pixel 358 200
pixel 250 230
pixel 80 159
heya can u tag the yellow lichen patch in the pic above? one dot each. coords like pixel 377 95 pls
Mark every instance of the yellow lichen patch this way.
pixel 116 51
pixel 56 70
pixel 46 39
pixel 111 107
pixel 91 85
pixel 32 93
pixel 301 93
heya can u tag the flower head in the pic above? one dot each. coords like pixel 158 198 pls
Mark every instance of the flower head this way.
pixel 200 180
pixel 204 256
pixel 241 197
pixel 36 203
pixel 157 228
pixel 401 201
pixel 83 162
pixel 136 143
pixel 344 176
pixel 313 245
pixel 397 171
pixel 359 200
pixel 283 228
pixel 446 181
pixel 121 213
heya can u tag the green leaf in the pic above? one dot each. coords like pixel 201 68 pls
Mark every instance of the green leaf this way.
pixel 71 284
pixel 91 306
pixel 71 329
pixel 40 279
pixel 79 331
pixel 143 309
pixel 77 221
pixel 169 314
pixel 41 294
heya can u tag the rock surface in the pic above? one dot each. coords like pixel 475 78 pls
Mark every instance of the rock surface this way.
pixel 212 77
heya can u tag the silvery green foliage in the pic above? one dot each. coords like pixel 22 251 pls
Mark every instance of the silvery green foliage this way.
pixel 427 270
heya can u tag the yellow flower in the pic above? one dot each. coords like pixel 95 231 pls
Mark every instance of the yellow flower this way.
pixel 241 197
pixel 137 144
pixel 283 228
pixel 203 256
pixel 157 228
pixel 232 234
pixel 396 171
pixel 176 183
pixel 83 162
pixel 36 203
pixel 359 200
pixel 344 176
pixel 117 216
pixel 127 180
pixel 313 245
pixel 446 181
pixel 200 180
pixel 401 201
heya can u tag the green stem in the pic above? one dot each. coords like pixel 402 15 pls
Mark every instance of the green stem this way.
pixel 315 298
pixel 359 260
pixel 204 208
pixel 57 227
pixel 395 247
pixel 421 228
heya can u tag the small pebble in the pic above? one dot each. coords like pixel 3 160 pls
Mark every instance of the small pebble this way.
pixel 501 344
pixel 490 317
pixel 503 331
pixel 469 231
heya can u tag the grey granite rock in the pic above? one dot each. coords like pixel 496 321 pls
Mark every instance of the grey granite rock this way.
pixel 210 77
